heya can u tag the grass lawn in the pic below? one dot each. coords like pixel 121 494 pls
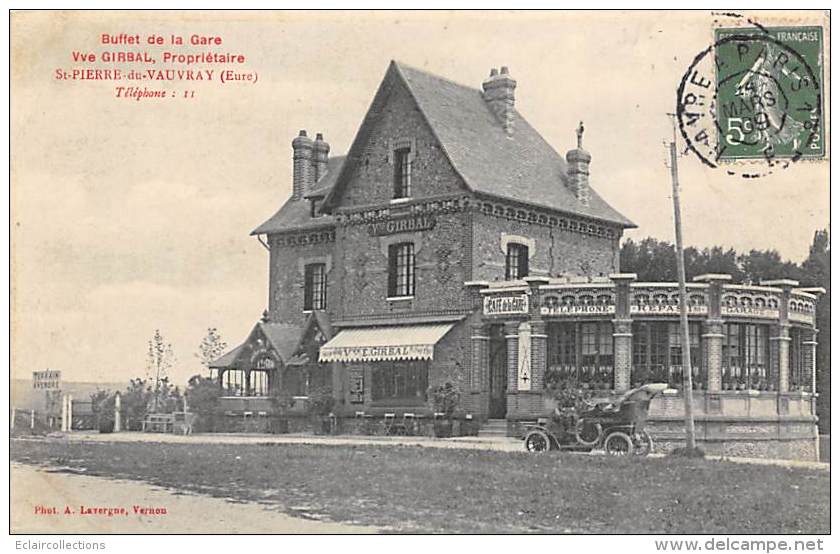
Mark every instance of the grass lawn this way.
pixel 414 489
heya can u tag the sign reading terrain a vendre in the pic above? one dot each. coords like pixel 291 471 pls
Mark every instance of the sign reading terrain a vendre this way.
pixel 405 224
pixel 49 379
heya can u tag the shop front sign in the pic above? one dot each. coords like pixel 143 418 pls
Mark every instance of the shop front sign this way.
pixel 506 305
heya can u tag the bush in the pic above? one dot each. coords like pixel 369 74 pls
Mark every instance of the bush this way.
pixel 685 452
pixel 321 402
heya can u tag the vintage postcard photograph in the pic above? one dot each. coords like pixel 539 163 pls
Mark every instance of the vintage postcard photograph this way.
pixel 421 272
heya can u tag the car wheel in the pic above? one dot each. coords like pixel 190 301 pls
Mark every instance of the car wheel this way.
pixel 537 441
pixel 618 444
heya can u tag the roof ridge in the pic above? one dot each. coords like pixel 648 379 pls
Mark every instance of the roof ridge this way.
pixel 401 65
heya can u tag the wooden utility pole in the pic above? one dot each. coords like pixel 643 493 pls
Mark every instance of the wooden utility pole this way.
pixel 684 336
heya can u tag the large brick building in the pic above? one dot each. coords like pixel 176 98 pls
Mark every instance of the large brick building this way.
pixel 453 244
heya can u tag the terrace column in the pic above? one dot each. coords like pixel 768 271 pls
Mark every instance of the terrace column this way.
pixel 480 360
pixel 780 341
pixel 810 358
pixel 479 340
pixel 622 332
pixel 713 330
pixel 512 338
pixel 539 337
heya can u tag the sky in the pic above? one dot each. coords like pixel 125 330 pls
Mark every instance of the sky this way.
pixel 130 216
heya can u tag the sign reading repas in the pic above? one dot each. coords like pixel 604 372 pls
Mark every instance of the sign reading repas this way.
pixel 48 379
pixel 506 305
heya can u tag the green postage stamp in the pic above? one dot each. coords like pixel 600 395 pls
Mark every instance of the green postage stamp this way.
pixel 765 97
pixel 755 94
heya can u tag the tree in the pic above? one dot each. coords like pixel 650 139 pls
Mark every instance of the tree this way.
pixel 136 401
pixel 816 272
pixel 160 358
pixel 211 348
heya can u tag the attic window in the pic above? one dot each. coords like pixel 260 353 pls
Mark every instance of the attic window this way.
pixel 315 207
pixel 402 172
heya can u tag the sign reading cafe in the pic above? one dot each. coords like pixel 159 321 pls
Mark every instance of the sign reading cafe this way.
pixel 505 305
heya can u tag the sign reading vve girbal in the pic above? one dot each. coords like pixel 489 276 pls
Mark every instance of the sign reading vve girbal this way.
pixel 403 224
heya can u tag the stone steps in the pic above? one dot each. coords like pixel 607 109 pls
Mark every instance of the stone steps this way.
pixel 493 428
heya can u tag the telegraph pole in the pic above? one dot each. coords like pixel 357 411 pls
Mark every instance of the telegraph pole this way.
pixel 684 336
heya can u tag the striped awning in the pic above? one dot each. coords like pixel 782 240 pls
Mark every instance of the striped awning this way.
pixel 373 344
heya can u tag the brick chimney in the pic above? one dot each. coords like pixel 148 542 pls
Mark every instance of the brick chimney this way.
pixel 322 156
pixel 303 171
pixel 578 169
pixel 498 93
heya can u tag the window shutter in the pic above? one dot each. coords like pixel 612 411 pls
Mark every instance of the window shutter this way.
pixel 392 269
pixel 307 288
pixel 523 262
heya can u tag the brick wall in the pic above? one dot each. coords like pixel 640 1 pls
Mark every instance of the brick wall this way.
pixel 442 266
pixel 286 279
pixel 400 120
pixel 557 252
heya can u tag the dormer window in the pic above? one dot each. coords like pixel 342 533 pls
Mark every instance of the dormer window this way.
pixel 315 207
pixel 402 172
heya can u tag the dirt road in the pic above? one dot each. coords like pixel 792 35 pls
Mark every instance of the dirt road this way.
pixel 82 504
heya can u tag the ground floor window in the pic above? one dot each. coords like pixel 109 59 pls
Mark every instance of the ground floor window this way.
pixel 233 382
pixel 258 383
pixel 581 353
pixel 798 374
pixel 304 380
pixel 657 354
pixel 745 355
pixel 402 381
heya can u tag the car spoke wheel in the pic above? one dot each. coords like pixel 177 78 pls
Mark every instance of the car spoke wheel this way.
pixel 618 444
pixel 537 441
pixel 588 434
pixel 644 444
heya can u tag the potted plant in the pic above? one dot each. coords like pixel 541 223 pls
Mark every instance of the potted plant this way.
pixel 445 400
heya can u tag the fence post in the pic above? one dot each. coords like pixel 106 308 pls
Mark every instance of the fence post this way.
pixel 69 412
pixel 63 413
pixel 117 422
pixel 32 419
pixel 12 421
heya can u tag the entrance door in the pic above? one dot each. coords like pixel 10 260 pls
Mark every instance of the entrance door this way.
pixel 498 372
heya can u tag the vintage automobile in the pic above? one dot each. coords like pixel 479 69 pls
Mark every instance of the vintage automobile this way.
pixel 617 427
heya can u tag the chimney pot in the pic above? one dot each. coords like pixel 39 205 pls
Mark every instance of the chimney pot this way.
pixel 577 171
pixel 320 158
pixel 499 95
pixel 302 170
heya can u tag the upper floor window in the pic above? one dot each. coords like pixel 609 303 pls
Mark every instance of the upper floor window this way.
pixel 516 262
pixel 402 173
pixel 315 287
pixel 401 269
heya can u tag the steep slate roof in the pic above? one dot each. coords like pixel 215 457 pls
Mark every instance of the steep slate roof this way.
pixel 295 214
pixel 521 167
pixel 283 339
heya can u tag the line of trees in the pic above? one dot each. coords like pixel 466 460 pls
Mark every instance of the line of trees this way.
pixel 654 260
